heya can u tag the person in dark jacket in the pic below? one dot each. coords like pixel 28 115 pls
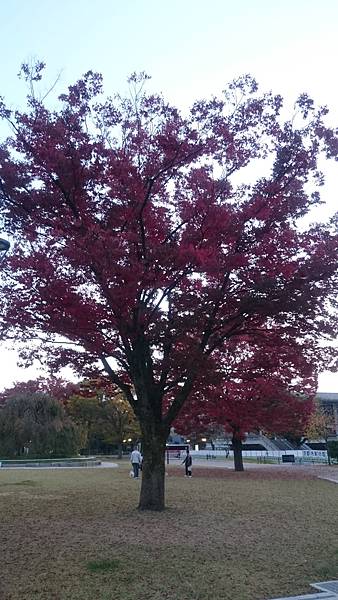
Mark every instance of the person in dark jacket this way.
pixel 187 462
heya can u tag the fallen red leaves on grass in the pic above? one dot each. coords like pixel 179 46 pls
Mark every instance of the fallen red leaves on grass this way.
pixel 252 473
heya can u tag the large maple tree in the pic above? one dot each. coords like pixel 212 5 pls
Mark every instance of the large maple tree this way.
pixel 138 241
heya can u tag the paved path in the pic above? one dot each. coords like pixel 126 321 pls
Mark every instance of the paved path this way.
pixel 320 596
pixel 326 590
pixel 103 465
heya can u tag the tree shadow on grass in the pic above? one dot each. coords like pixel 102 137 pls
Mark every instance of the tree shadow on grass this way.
pixel 28 482
pixel 103 566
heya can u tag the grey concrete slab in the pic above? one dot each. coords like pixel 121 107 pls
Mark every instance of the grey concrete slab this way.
pixel 320 596
pixel 328 479
pixel 326 586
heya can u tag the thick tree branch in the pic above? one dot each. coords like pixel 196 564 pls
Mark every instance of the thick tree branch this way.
pixel 125 388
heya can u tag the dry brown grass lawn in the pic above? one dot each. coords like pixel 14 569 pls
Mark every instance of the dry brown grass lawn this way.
pixel 76 535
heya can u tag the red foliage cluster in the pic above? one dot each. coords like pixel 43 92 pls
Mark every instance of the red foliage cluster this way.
pixel 266 385
pixel 56 388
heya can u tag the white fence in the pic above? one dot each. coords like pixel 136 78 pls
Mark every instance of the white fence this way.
pixel 300 455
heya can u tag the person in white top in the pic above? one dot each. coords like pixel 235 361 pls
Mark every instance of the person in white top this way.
pixel 136 461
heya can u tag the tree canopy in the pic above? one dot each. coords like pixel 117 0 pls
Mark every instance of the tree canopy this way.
pixel 35 423
pixel 151 240
pixel 255 385
pixel 103 412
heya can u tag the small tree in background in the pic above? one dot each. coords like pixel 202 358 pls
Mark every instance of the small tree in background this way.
pixel 321 426
pixel 266 384
pixel 104 413
pixel 260 406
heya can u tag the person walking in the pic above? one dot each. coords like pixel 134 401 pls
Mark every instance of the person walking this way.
pixel 187 462
pixel 136 461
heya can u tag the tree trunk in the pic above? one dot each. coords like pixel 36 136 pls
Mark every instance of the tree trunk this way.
pixel 238 457
pixel 153 470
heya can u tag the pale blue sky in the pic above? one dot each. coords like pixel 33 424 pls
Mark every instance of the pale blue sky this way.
pixel 189 47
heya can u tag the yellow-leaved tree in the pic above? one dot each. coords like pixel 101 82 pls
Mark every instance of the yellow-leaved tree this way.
pixel 321 426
